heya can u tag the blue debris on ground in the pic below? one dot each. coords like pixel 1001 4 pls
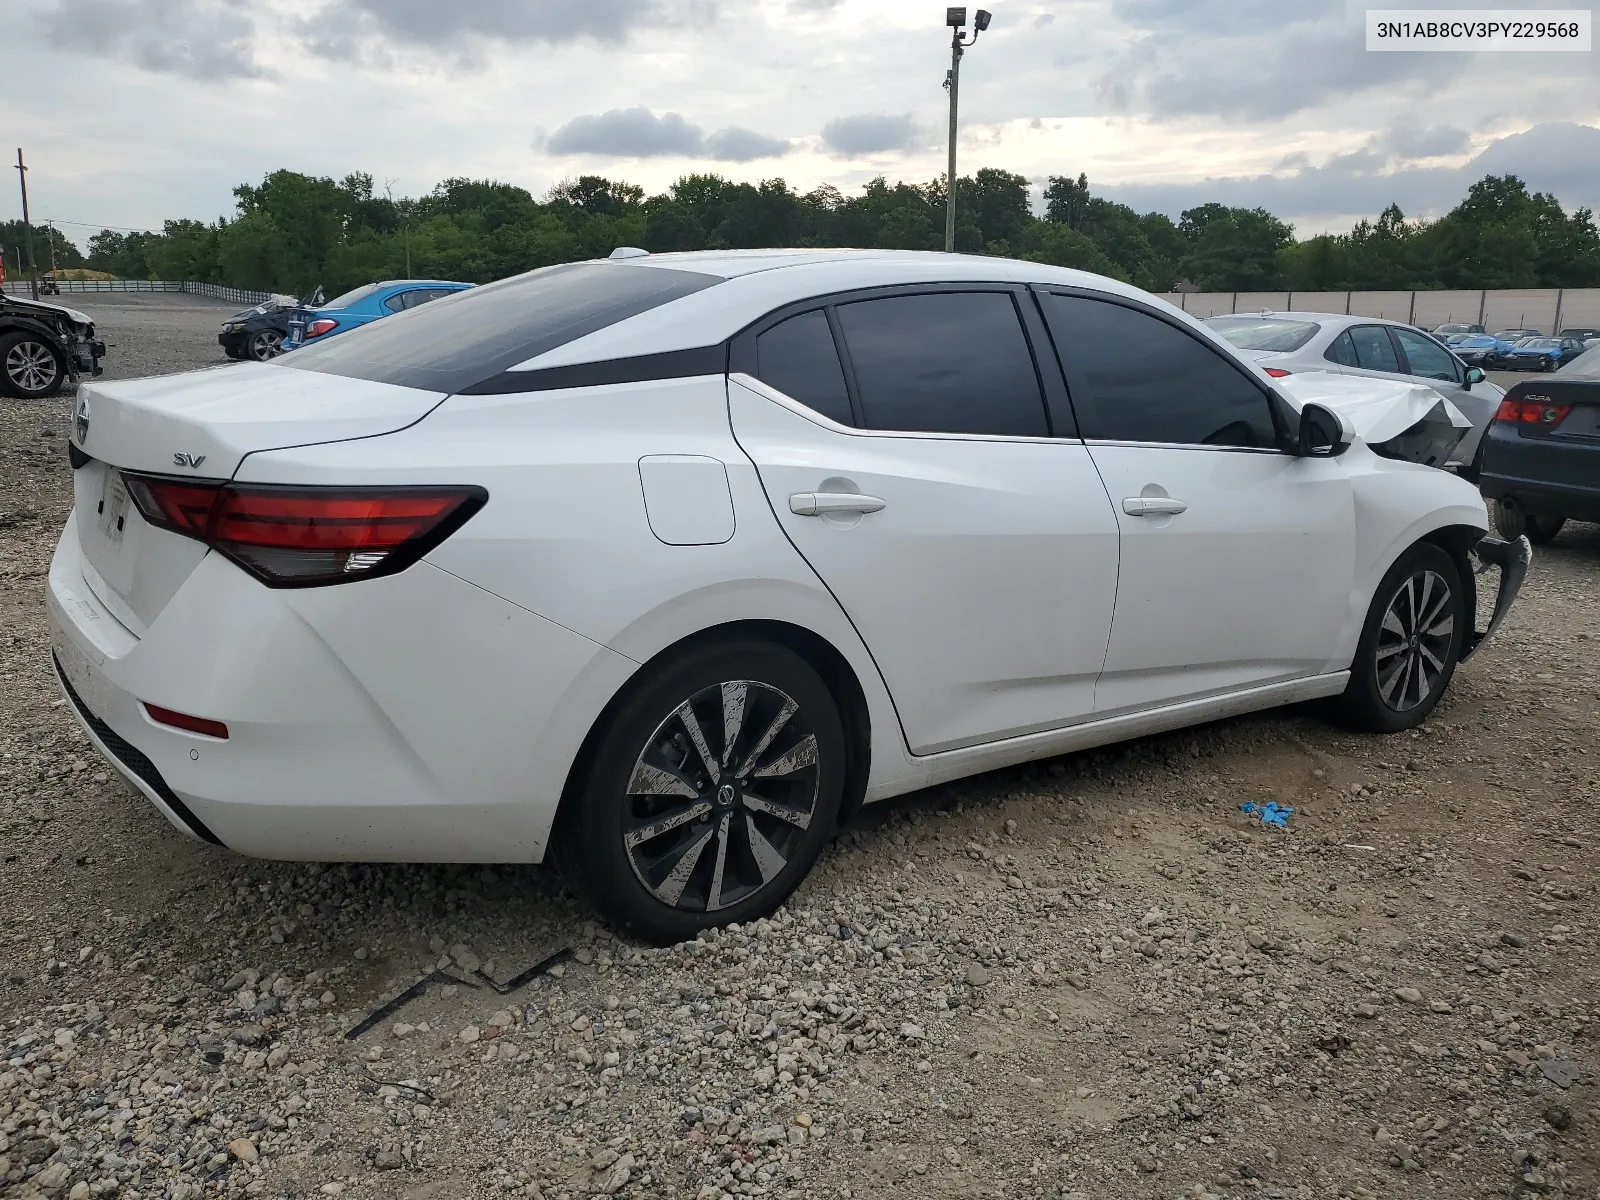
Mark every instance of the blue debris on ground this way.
pixel 1271 813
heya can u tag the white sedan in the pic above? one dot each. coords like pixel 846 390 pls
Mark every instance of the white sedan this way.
pixel 668 563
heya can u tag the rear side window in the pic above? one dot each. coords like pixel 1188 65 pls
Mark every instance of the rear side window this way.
pixel 1374 350
pixel 798 358
pixel 469 338
pixel 1135 378
pixel 1343 351
pixel 944 362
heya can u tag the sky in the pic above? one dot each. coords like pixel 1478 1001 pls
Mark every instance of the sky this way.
pixel 133 111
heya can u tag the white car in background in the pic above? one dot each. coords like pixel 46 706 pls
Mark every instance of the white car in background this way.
pixel 671 562
pixel 1292 342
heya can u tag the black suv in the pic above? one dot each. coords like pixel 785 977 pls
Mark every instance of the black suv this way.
pixel 43 346
pixel 1541 453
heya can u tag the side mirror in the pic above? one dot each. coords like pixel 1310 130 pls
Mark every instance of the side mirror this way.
pixel 1474 375
pixel 1323 433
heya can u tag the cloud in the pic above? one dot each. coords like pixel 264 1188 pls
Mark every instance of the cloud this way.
pixel 639 133
pixel 627 133
pixel 201 39
pixel 1414 141
pixel 869 133
pixel 430 22
pixel 1556 157
pixel 743 145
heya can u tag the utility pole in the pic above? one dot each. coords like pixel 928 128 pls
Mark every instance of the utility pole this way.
pixel 51 226
pixel 27 229
pixel 956 19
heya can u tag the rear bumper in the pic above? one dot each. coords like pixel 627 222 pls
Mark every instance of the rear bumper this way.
pixel 1543 473
pixel 406 719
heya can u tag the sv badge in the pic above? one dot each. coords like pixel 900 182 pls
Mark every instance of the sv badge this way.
pixel 187 460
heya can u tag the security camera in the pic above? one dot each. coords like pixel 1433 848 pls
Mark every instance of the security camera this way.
pixel 981 21
pixel 955 18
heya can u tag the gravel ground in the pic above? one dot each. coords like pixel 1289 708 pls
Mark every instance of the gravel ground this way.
pixel 1091 978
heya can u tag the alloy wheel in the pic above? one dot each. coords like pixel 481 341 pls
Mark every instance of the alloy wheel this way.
pixel 266 344
pixel 32 366
pixel 721 796
pixel 1414 639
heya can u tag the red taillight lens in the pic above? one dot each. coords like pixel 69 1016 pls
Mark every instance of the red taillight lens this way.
pixel 1277 372
pixel 178 720
pixel 304 536
pixel 1532 412
pixel 320 326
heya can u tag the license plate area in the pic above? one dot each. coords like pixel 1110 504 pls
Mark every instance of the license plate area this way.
pixel 112 510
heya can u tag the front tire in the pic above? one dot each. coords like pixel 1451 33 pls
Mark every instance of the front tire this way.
pixel 30 368
pixel 265 344
pixel 1412 640
pixel 710 792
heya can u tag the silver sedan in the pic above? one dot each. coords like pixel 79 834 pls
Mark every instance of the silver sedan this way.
pixel 1294 342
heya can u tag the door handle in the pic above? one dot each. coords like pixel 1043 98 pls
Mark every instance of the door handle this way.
pixel 814 504
pixel 1153 506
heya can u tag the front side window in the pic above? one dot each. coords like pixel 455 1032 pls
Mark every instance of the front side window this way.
pixel 1374 350
pixel 798 357
pixel 1426 357
pixel 944 362
pixel 1136 378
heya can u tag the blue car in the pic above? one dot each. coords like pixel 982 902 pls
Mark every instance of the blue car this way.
pixel 1481 349
pixel 363 305
pixel 1543 354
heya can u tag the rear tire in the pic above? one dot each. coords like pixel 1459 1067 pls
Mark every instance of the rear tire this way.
pixel 30 368
pixel 1410 644
pixel 1513 520
pixel 709 792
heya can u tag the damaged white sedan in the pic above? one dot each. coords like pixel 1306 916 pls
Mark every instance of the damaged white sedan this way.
pixel 667 563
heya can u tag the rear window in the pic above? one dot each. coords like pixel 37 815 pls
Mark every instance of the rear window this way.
pixel 348 298
pixel 1264 333
pixel 1585 366
pixel 470 337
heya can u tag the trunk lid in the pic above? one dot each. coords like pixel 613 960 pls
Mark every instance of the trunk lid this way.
pixel 200 425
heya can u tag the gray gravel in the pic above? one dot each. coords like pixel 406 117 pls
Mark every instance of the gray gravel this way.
pixel 1088 978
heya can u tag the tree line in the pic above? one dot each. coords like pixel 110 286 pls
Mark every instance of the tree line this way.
pixel 294 232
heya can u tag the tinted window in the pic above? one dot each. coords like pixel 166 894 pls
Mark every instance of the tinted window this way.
pixel 346 299
pixel 1426 357
pixel 948 362
pixel 1374 350
pixel 798 358
pixel 472 336
pixel 397 301
pixel 1135 378
pixel 1265 333
pixel 1343 350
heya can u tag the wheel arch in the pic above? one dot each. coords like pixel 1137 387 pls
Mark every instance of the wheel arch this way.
pixel 824 657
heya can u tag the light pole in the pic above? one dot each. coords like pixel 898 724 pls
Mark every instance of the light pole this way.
pixel 956 19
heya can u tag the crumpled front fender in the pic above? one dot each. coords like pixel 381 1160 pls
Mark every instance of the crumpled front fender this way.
pixel 1513 559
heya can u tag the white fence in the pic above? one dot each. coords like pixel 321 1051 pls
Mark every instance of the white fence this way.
pixel 1545 309
pixel 242 296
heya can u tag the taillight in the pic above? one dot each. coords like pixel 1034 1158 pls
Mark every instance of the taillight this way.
pixel 1277 372
pixel 320 326
pixel 305 536
pixel 1537 411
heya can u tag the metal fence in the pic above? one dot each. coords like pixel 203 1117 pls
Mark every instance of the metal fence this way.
pixel 215 291
pixel 1548 310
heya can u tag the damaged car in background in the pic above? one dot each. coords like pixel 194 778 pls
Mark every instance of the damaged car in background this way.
pixel 259 333
pixel 43 347
pixel 661 566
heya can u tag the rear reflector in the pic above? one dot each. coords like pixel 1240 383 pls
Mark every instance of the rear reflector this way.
pixel 178 720
pixel 307 536
pixel 1277 372
pixel 1532 412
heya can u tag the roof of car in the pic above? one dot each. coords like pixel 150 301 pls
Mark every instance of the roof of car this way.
pixel 755 282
